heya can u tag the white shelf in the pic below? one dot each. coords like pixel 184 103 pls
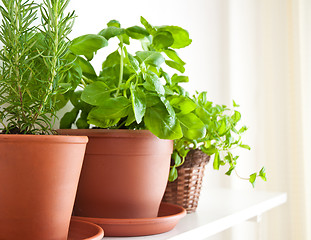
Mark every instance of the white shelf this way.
pixel 218 209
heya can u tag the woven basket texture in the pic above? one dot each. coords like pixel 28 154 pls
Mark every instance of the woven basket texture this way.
pixel 185 190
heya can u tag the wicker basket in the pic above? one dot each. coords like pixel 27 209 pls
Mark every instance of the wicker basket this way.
pixel 185 190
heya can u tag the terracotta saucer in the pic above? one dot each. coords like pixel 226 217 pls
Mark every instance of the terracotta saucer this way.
pixel 82 230
pixel 168 217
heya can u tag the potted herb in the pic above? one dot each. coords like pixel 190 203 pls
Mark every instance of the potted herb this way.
pixel 129 102
pixel 132 94
pixel 40 171
pixel 192 154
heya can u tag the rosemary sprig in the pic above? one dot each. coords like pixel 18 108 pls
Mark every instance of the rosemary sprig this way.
pixel 33 63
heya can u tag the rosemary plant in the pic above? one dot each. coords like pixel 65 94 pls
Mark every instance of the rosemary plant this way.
pixel 33 63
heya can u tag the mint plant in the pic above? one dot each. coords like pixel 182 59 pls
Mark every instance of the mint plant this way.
pixel 220 139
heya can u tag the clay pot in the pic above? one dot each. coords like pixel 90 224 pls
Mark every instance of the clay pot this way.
pixel 38 183
pixel 124 173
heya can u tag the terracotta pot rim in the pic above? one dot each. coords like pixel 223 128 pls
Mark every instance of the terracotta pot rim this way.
pixel 120 133
pixel 136 221
pixel 100 231
pixel 43 138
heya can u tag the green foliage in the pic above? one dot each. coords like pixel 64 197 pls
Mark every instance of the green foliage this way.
pixel 34 67
pixel 219 138
pixel 134 91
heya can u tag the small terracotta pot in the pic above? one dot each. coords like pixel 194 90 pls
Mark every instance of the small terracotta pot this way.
pixel 124 173
pixel 38 183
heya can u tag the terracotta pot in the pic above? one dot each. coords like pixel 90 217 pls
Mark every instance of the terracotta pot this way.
pixel 124 173
pixel 38 183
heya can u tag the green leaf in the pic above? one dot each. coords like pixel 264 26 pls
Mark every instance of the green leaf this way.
pixel 236 116
pixel 216 162
pixel 252 179
pixel 162 40
pixel 262 174
pixel 111 32
pixel 180 35
pixel 96 93
pixel 138 103
pixel 148 26
pixel 183 104
pixel 245 146
pixel 87 68
pixel 112 60
pixel 87 44
pixel 176 158
pixel 174 56
pixel 193 128
pixel 230 170
pixel 136 32
pixel 68 119
pixel 134 63
pixel 151 58
pixel 224 127
pixel 242 129
pixel 130 118
pixel 234 104
pixel 161 124
pixel 152 99
pixel 153 83
pixel 173 174
pixel 179 79
pixel 166 77
pixel 111 108
pixel 74 75
pixel 114 23
pixel 101 122
pixel 82 123
pixel 175 65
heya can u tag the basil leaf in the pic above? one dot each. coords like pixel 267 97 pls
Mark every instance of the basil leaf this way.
pixel 180 35
pixel 151 58
pixel 87 68
pixel 136 32
pixel 112 60
pixel 161 124
pixel 87 44
pixel 183 104
pixel 114 23
pixel 175 65
pixel 193 128
pixel 153 83
pixel 162 40
pixel 96 93
pixel 174 56
pixel 111 108
pixel 138 103
pixel 68 119
pixel 178 79
pixel 111 32
pixel 147 25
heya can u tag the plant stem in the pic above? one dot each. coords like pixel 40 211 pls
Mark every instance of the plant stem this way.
pixel 121 66
pixel 243 178
pixel 53 62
